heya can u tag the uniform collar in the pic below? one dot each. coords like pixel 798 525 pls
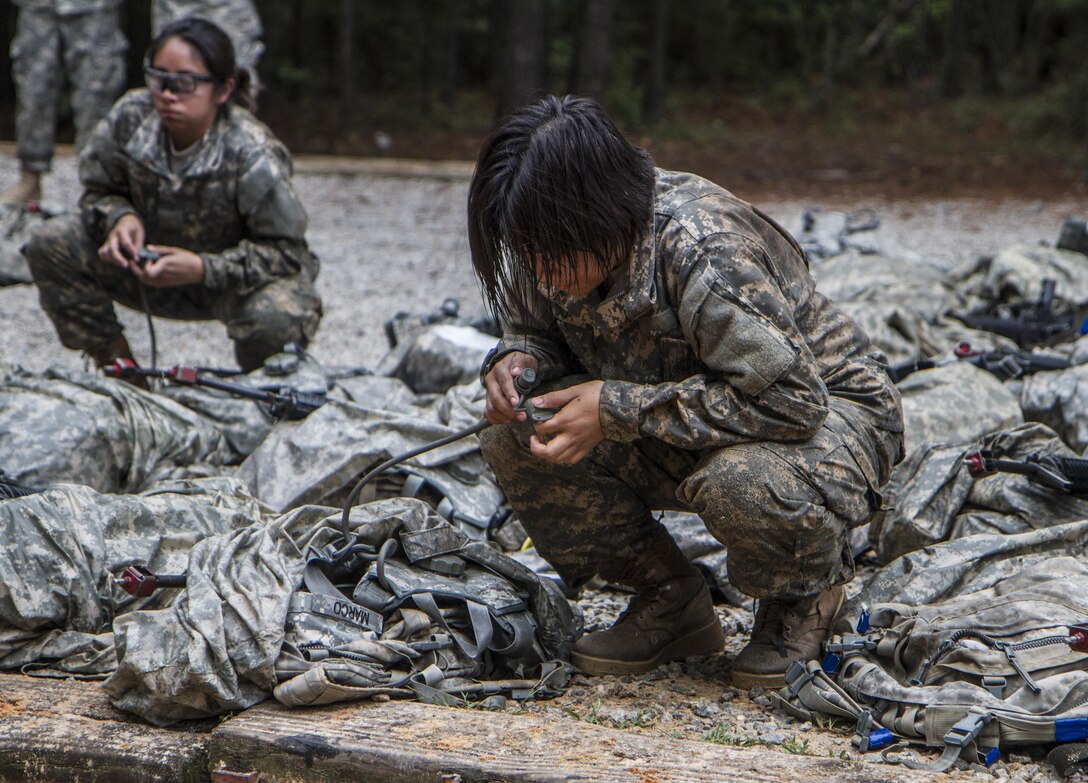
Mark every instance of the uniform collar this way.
pixel 149 146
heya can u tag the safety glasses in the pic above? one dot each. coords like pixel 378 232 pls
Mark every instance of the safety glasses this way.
pixel 177 83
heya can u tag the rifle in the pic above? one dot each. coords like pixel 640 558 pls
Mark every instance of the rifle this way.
pixel 9 489
pixel 1006 363
pixel 1029 323
pixel 286 403
pixel 1068 474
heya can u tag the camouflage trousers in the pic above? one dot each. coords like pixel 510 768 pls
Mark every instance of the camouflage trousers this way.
pixel 782 510
pixel 89 47
pixel 77 290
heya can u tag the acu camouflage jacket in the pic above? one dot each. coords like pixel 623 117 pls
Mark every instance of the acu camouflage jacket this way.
pixel 232 202
pixel 713 334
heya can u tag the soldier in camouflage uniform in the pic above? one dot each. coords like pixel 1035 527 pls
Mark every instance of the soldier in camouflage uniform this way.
pixel 80 38
pixel 207 186
pixel 238 18
pixel 692 366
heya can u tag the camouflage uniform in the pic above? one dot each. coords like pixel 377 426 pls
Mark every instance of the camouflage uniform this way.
pixel 231 202
pixel 80 38
pixel 238 18
pixel 731 388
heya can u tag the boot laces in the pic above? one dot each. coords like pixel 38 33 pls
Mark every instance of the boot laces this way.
pixel 770 625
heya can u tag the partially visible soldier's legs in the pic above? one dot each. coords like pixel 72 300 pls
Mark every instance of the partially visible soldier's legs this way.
pixel 595 517
pixel 75 286
pixel 94 58
pixel 36 68
pixel 284 311
pixel 783 511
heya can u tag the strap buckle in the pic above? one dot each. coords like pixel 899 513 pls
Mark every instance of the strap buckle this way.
pixel 967 729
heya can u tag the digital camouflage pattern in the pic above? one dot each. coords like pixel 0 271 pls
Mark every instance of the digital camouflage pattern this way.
pixel 217 647
pixel 67 426
pixel 64 548
pixel 955 403
pixel 232 202
pixel 932 498
pixel 1026 587
pixel 54 38
pixel 237 18
pixel 731 388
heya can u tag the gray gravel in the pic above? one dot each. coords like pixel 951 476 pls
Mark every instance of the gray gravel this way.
pixel 391 243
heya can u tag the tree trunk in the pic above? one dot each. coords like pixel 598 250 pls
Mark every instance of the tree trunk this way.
pixel 954 41
pixel 346 58
pixel 523 38
pixel 1002 33
pixel 594 49
pixel 654 102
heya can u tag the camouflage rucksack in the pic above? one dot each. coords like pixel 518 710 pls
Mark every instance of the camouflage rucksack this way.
pixel 999 659
pixel 425 614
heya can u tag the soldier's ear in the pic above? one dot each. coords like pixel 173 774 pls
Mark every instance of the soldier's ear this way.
pixel 225 91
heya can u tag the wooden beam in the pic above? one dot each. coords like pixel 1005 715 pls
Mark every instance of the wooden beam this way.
pixel 406 742
pixel 66 731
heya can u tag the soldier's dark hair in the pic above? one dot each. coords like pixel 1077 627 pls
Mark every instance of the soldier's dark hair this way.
pixel 216 50
pixel 555 180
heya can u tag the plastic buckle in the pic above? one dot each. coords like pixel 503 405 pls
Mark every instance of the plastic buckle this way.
pixel 851 644
pixel 863 620
pixel 967 729
pixel 867 738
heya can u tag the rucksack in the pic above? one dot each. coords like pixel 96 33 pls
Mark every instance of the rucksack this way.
pixel 1001 663
pixel 433 617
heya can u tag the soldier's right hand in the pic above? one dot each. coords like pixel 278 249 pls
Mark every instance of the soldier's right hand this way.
pixel 124 241
pixel 502 397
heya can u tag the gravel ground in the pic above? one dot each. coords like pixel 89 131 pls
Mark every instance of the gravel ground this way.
pixel 391 243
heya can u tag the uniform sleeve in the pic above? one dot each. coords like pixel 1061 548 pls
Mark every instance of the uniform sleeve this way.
pixel 105 197
pixel 275 227
pixel 759 379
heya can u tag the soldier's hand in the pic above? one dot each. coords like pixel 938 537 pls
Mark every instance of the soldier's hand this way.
pixel 175 266
pixel 576 426
pixel 123 242
pixel 502 397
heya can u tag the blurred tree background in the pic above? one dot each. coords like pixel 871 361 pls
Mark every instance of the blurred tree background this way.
pixel 825 92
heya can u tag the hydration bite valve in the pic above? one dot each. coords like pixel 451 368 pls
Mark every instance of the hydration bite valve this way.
pixel 141 581
pixel 524 383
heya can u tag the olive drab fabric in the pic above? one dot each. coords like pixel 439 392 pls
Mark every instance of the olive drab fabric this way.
pixel 63 549
pixel 219 645
pixel 54 39
pixel 231 201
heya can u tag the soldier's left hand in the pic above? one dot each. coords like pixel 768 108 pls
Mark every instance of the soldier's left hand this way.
pixel 175 266
pixel 576 426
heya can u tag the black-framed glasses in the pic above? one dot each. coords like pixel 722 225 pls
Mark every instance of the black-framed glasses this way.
pixel 177 83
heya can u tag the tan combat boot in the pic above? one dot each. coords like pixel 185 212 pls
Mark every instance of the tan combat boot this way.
pixel 671 617
pixel 783 633
pixel 28 188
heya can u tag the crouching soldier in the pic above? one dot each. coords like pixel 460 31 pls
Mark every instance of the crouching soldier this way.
pixel 185 168
pixel 691 365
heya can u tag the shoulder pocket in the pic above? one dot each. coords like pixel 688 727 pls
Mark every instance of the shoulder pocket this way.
pixel 732 337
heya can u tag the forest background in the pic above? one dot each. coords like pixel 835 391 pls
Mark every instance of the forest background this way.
pixel 809 98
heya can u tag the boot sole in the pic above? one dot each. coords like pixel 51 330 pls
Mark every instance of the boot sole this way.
pixel 705 640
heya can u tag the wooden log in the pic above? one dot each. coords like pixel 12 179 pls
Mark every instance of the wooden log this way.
pixel 406 742
pixel 66 731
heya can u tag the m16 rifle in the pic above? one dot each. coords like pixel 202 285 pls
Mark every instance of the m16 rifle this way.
pixel 1029 324
pixel 284 403
pixel 1006 363
pixel 1068 474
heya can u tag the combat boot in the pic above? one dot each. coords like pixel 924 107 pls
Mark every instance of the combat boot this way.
pixel 28 188
pixel 671 617
pixel 785 632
